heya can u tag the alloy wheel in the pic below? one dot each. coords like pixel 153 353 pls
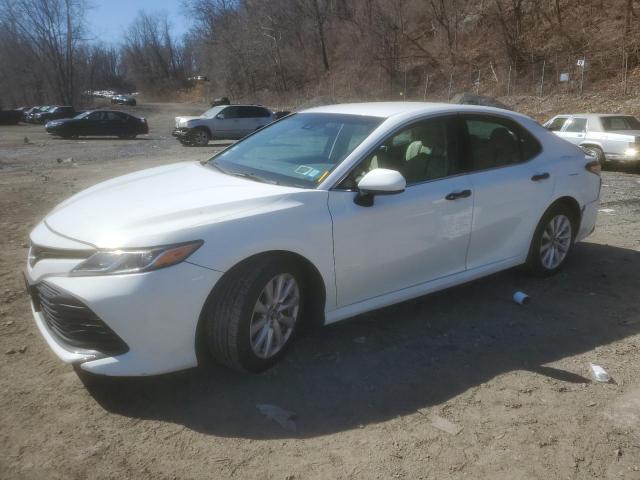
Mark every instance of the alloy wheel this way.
pixel 556 241
pixel 274 315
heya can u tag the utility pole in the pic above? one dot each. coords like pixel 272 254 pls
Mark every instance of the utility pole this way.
pixel 583 64
pixel 404 91
pixel 542 79
pixel 426 85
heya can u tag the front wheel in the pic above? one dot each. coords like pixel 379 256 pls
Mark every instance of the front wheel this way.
pixel 552 241
pixel 200 137
pixel 597 153
pixel 253 317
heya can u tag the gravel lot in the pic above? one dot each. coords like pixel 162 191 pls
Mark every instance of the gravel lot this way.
pixel 366 392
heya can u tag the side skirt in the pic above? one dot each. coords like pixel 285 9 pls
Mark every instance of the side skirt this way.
pixel 419 290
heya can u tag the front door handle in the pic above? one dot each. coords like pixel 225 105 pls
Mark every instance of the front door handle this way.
pixel 540 176
pixel 456 195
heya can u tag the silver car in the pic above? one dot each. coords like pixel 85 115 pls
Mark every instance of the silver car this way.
pixel 222 123
pixel 608 137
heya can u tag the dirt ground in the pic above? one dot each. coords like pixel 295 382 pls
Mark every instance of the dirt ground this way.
pixel 366 392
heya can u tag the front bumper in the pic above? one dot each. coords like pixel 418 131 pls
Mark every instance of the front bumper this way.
pixel 155 314
pixel 622 158
pixel 181 133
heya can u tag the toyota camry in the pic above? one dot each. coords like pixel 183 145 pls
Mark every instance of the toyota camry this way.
pixel 324 214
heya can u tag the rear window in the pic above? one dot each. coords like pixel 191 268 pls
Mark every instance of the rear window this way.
pixel 620 123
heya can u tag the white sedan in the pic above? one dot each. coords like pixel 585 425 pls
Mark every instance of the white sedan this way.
pixel 320 216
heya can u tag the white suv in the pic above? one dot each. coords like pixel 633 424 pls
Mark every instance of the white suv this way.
pixel 221 123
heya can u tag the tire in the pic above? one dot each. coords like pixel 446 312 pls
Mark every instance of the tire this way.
pixel 200 137
pixel 552 241
pixel 596 152
pixel 234 311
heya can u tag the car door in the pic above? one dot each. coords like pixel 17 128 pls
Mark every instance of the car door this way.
pixel 259 117
pixel 91 124
pixel 116 124
pixel 409 238
pixel 227 124
pixel 512 181
pixel 574 130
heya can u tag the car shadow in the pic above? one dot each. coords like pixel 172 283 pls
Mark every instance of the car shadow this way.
pixel 142 136
pixel 406 357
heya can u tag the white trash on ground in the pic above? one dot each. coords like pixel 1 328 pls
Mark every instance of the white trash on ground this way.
pixel 521 298
pixel 282 417
pixel 599 374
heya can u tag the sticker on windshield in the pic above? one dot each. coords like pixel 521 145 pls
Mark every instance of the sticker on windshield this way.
pixel 303 170
pixel 307 171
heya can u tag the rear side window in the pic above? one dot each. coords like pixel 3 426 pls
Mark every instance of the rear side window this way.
pixel 498 142
pixel 620 123
pixel 253 112
pixel 556 124
pixel 576 125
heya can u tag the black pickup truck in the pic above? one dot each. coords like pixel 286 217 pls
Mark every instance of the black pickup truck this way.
pixel 10 117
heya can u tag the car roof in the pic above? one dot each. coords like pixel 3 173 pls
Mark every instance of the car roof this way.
pixel 390 109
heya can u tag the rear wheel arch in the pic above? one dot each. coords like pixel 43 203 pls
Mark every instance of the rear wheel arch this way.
pixel 569 207
pixel 313 282
pixel 573 208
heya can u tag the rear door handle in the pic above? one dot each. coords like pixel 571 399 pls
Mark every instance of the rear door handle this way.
pixel 456 195
pixel 540 176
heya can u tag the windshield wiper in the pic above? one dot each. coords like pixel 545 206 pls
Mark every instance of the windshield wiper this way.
pixel 249 176
pixel 253 177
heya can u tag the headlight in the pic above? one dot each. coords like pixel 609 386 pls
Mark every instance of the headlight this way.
pixel 630 152
pixel 111 262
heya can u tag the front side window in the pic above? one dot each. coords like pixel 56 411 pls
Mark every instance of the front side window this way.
pixel 620 123
pixel 424 151
pixel 556 124
pixel 576 125
pixel 231 112
pixel 498 142
pixel 299 150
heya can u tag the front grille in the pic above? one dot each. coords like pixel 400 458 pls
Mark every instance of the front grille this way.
pixel 73 322
pixel 37 253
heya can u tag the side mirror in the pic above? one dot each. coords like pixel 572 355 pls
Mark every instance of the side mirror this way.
pixel 220 116
pixel 380 181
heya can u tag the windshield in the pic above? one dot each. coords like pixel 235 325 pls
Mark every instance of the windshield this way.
pixel 212 112
pixel 83 114
pixel 299 150
pixel 620 123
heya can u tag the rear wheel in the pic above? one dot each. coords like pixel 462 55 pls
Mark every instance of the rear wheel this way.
pixel 254 315
pixel 552 241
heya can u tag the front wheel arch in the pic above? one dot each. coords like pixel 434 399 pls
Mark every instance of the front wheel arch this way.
pixel 314 307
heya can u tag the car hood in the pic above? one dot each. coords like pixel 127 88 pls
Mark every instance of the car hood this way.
pixel 159 205
pixel 182 121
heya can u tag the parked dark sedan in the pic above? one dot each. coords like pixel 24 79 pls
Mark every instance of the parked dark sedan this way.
pixel 99 123
pixel 55 113
pixel 123 100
